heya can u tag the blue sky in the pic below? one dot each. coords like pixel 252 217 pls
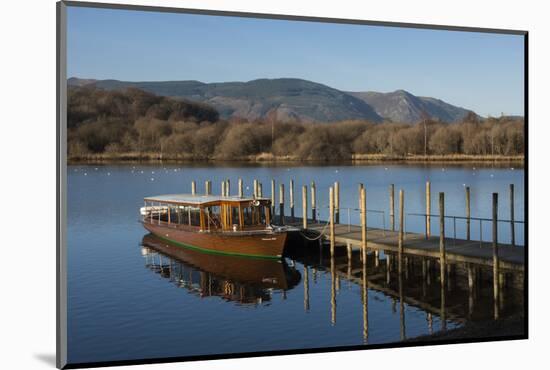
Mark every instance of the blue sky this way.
pixel 479 71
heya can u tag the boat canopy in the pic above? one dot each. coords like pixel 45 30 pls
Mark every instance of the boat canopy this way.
pixel 201 200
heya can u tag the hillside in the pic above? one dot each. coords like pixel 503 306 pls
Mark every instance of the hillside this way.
pixel 284 99
pixel 402 106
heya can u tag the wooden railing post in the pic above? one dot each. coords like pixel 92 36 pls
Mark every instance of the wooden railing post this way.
pixel 193 187
pixel 401 230
pixel 468 213
pixel 227 188
pixel 282 204
pixel 442 256
pixel 337 202
pixel 495 254
pixel 273 189
pixel 512 224
pixel 291 199
pixel 392 207
pixel 313 202
pixel 331 220
pixel 304 207
pixel 428 208
pixel 208 187
pixel 363 196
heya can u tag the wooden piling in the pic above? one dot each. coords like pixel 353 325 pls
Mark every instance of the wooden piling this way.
pixel 392 207
pixel 273 196
pixel 304 207
pixel 331 220
pixel 512 227
pixel 282 204
pixel 495 252
pixel 223 188
pixel 363 207
pixel 255 188
pixel 193 187
pixel 401 222
pixel 227 188
pixel 428 208
pixel 260 190
pixel 468 210
pixel 442 238
pixel 208 187
pixel 291 199
pixel 337 202
pixel 313 201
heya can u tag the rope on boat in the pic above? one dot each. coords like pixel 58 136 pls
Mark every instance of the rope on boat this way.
pixel 320 234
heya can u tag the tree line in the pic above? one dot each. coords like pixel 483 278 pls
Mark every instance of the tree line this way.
pixel 116 123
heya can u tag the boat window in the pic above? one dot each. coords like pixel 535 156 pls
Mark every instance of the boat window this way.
pixel 254 215
pixel 213 217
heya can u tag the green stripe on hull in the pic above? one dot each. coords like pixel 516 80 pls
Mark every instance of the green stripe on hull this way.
pixel 210 251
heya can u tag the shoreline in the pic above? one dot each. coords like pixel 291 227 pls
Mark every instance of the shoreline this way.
pixel 266 158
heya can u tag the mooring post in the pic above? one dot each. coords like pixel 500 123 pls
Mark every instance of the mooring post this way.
pixel 428 208
pixel 227 188
pixel 495 253
pixel 468 210
pixel 392 208
pixel 255 188
pixel 223 188
pixel 359 187
pixel 363 194
pixel 260 190
pixel 304 207
pixel 273 197
pixel 331 219
pixel 313 202
pixel 193 187
pixel 208 187
pixel 282 204
pixel 291 199
pixel 512 227
pixel 337 202
pixel 401 223
pixel 241 193
pixel 442 264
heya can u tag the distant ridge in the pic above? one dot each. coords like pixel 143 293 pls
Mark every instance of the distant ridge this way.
pixel 402 106
pixel 291 99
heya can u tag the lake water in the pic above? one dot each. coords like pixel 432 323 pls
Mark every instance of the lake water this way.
pixel 131 296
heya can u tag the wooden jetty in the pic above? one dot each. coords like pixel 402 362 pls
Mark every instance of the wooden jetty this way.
pixel 446 249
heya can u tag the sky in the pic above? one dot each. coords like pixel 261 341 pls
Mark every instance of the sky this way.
pixel 479 71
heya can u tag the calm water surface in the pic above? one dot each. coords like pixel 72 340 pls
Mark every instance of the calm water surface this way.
pixel 131 296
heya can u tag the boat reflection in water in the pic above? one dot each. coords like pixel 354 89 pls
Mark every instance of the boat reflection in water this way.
pixel 236 279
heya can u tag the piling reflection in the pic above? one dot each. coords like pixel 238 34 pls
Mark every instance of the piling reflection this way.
pixel 244 281
pixel 449 294
pixel 446 295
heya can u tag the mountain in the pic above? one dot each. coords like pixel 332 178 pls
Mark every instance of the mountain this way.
pixel 285 99
pixel 402 106
pixel 288 99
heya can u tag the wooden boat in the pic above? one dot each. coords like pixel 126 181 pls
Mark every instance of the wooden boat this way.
pixel 229 225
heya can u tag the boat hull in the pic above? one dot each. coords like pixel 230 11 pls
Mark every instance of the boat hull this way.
pixel 259 245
